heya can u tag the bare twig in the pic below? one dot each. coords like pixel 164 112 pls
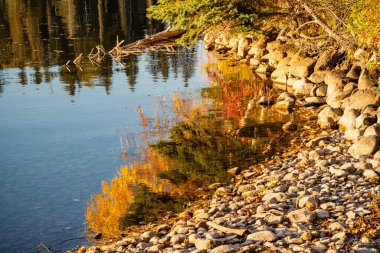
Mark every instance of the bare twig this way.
pixel 42 245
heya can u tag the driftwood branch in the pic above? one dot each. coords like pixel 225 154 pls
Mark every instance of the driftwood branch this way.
pixel 226 230
pixel 163 42
pixel 342 41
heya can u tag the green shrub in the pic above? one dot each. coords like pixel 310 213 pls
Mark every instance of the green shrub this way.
pixel 197 16
pixel 364 21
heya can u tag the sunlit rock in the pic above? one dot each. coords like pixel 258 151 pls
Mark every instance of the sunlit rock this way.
pixel 365 146
pixel 328 117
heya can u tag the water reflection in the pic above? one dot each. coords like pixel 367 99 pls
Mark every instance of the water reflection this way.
pixel 45 33
pixel 191 149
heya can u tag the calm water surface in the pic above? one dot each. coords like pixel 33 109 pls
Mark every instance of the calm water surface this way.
pixel 59 130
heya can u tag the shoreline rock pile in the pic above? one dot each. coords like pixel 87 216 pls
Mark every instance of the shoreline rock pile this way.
pixel 321 199
pixel 317 78
pixel 321 196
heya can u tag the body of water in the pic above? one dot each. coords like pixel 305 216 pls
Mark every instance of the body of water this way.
pixel 59 130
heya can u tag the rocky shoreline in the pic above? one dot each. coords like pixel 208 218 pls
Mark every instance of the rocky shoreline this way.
pixel 322 195
pixel 314 198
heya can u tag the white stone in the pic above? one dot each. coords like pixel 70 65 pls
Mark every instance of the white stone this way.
pixel 262 236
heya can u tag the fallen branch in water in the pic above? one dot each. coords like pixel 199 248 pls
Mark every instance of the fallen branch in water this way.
pixel 163 42
pixel 50 249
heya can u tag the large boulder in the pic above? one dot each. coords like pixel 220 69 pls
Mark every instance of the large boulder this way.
pixel 373 130
pixel 243 47
pixel 298 57
pixel 318 76
pixel 365 146
pixel 353 134
pixel 257 47
pixel 361 99
pixel 284 62
pixel 365 120
pixel 302 87
pixel 209 41
pixel 347 121
pixel 279 71
pixel 273 45
pixel 335 81
pixel 354 72
pixel 282 51
pixel 328 117
pixel 223 39
pixel 302 68
pixel 233 44
pixel 366 81
pixel 254 62
pixel 326 60
pixel 335 101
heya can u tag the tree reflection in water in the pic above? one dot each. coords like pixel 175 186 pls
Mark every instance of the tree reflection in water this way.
pixel 47 33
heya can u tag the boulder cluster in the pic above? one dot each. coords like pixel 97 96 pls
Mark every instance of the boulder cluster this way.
pixel 317 78
pixel 346 93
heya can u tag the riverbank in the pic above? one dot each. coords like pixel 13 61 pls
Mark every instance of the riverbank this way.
pixel 322 195
pixel 314 198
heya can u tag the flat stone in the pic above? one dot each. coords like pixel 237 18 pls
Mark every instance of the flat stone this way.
pixel 314 142
pixel 328 206
pixel 301 215
pixel 338 172
pixel 262 236
pixel 277 197
pixel 314 101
